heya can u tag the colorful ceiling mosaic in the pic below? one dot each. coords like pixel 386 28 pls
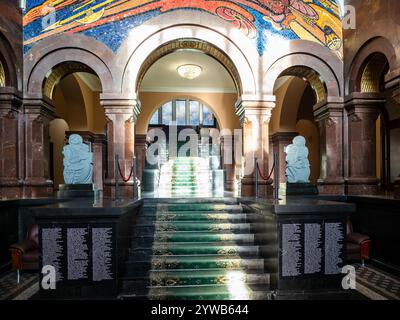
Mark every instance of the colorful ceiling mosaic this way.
pixel 110 21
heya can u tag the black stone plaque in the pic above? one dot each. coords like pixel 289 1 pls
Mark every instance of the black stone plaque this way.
pixel 83 255
pixel 311 251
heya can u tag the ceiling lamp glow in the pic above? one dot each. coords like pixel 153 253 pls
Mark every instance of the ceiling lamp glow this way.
pixel 189 71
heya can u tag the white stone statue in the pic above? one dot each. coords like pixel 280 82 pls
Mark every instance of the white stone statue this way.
pixel 78 161
pixel 297 164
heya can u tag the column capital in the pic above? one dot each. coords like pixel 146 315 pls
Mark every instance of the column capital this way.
pixel 254 107
pixel 328 110
pixel 10 98
pixel 121 106
pixel 365 100
pixel 283 137
pixel 39 106
pixel 140 139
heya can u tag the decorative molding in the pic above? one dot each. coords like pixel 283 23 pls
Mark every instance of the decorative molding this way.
pixel 330 122
pixel 312 77
pixel 187 90
pixel 61 71
pixel 355 118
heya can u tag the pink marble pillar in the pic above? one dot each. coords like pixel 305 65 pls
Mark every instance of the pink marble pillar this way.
pixel 255 116
pixel 329 117
pixel 38 114
pixel 280 140
pixel 363 111
pixel 121 116
pixel 228 161
pixel 11 165
pixel 100 159
pixel 140 151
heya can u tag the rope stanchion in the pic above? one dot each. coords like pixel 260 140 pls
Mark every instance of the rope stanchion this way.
pixel 270 174
pixel 122 176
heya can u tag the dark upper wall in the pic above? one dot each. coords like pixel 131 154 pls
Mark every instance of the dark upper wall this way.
pixel 11 41
pixel 375 18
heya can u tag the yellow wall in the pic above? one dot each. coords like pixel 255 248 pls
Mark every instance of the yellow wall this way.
pixel 96 119
pixel 57 136
pixel 310 131
pixel 223 105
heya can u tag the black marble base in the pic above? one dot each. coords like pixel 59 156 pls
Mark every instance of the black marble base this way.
pixel 70 191
pixel 301 189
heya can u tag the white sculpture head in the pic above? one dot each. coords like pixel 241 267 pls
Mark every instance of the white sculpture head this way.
pixel 75 139
pixel 299 141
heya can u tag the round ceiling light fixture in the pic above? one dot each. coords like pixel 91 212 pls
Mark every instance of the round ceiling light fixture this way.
pixel 189 71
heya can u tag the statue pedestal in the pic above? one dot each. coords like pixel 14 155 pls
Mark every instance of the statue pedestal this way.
pixel 301 189
pixel 67 191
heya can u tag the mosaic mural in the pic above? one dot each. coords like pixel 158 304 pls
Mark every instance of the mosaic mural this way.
pixel 110 21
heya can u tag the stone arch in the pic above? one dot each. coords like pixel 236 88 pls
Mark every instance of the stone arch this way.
pixel 220 40
pixel 83 54
pixel 318 74
pixel 290 110
pixel 375 57
pixel 11 75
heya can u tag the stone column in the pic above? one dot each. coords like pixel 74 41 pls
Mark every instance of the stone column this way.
pixel 121 118
pixel 38 114
pixel 363 111
pixel 280 140
pixel 11 139
pixel 228 161
pixel 140 150
pixel 255 116
pixel 329 117
pixel 99 159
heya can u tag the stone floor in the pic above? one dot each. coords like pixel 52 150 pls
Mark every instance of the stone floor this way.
pixel 11 290
pixel 373 283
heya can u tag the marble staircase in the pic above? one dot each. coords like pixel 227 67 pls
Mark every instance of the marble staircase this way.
pixel 201 249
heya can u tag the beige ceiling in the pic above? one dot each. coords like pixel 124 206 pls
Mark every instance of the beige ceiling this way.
pixel 163 77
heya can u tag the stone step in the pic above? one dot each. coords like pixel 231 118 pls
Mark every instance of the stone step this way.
pixel 189 237
pixel 186 214
pixel 266 251
pixel 195 249
pixel 210 292
pixel 194 226
pixel 196 217
pixel 197 262
pixel 172 278
pixel 197 207
pixel 231 201
pixel 201 226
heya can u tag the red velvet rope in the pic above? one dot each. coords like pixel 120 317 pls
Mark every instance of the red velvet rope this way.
pixel 262 176
pixel 122 176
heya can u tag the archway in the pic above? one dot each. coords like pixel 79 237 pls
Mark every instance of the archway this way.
pixel 75 93
pixel 69 92
pixel 373 110
pixel 187 101
pixel 294 115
